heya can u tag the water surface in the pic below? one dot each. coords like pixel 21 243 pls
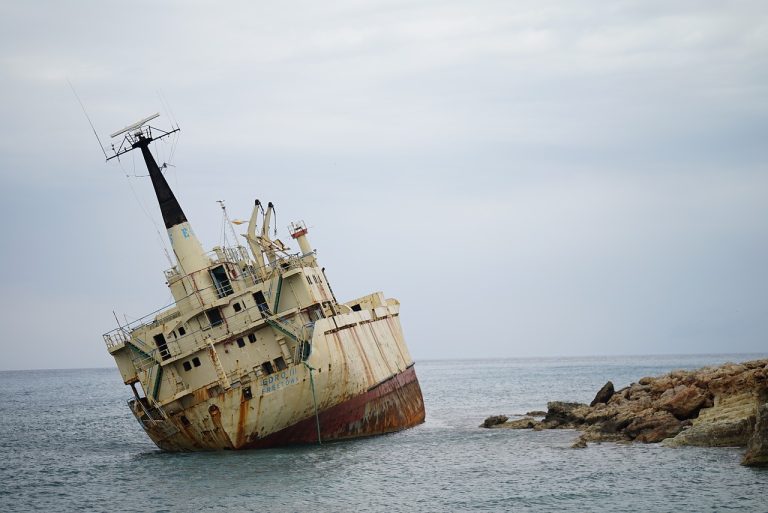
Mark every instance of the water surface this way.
pixel 69 443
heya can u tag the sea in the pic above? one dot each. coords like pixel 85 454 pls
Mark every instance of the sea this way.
pixel 69 443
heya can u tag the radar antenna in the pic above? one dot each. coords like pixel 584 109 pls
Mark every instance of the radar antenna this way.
pixel 138 135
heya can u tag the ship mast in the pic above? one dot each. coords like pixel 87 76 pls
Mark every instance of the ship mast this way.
pixel 187 248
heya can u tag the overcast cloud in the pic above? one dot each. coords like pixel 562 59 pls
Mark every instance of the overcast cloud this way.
pixel 528 178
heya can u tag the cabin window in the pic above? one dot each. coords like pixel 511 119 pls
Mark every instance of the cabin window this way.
pixel 237 307
pixel 162 346
pixel 214 316
pixel 267 368
pixel 280 363
pixel 251 337
pixel 187 366
pixel 247 395
pixel 315 278
pixel 356 308
pixel 184 421
pixel 196 361
pixel 221 281
pixel 309 280
pixel 240 342
pixel 261 302
pixel 182 331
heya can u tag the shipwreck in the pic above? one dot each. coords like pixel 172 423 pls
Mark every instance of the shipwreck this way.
pixel 255 351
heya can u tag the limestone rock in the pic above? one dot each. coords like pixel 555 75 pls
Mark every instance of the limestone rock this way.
pixel 722 433
pixel 524 423
pixel 603 395
pixel 580 443
pixel 494 420
pixel 653 426
pixel 564 415
pixel 757 448
pixel 685 401
pixel 712 406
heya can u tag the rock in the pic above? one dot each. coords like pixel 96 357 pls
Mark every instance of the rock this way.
pixel 684 402
pixel 653 426
pixel 603 395
pixel 564 415
pixel 724 433
pixel 757 448
pixel 712 406
pixel 524 423
pixel 580 443
pixel 728 423
pixel 494 420
pixel 536 413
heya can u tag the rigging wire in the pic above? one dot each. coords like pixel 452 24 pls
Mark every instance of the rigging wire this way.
pixel 87 117
pixel 161 240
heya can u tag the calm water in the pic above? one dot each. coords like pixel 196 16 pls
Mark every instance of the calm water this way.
pixel 69 443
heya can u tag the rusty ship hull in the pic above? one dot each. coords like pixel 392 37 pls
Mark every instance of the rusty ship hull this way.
pixel 364 384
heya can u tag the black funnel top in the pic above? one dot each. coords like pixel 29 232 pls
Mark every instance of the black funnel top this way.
pixel 169 206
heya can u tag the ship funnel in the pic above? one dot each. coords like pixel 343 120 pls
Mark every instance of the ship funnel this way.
pixel 298 231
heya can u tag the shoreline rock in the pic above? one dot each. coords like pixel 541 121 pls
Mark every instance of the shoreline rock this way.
pixel 718 406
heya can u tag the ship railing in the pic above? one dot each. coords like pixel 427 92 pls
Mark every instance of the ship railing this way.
pixel 225 255
pixel 122 334
pixel 116 338
pixel 141 321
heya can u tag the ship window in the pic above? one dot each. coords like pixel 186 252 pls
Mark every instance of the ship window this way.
pixel 182 331
pixel 237 307
pixel 356 308
pixel 308 280
pixel 251 337
pixel 267 368
pixel 196 361
pixel 187 366
pixel 240 342
pixel 247 393
pixel 221 281
pixel 280 363
pixel 261 302
pixel 162 346
pixel 184 420
pixel 214 316
pixel 315 278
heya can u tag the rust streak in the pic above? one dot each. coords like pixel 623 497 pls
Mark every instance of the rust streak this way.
pixel 242 417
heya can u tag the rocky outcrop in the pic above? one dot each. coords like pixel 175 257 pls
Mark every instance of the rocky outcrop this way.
pixel 714 406
pixel 757 448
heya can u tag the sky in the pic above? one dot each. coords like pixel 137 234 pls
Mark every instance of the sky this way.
pixel 528 178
